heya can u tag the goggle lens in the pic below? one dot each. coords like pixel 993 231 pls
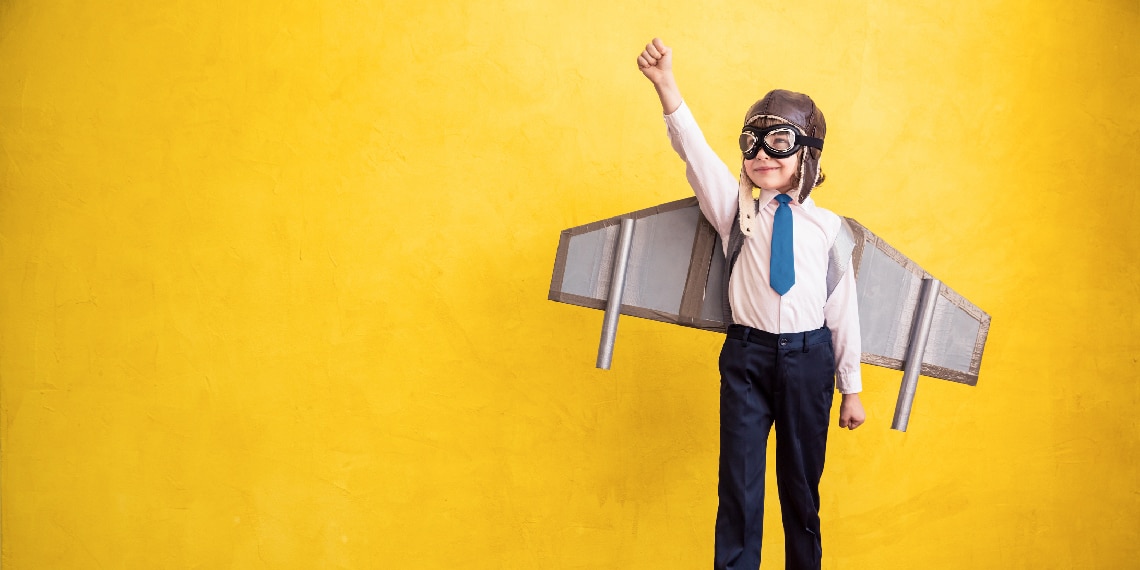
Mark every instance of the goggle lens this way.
pixel 749 143
pixel 780 141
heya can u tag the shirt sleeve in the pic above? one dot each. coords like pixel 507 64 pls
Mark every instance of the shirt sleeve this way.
pixel 715 186
pixel 842 315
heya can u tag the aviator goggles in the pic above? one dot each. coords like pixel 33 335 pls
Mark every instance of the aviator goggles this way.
pixel 779 141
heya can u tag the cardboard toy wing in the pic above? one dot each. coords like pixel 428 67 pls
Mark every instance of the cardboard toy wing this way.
pixel 672 268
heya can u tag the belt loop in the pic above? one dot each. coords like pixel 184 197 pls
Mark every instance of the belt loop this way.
pixel 744 337
pixel 805 342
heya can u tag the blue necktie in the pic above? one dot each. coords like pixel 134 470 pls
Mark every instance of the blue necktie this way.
pixel 783 269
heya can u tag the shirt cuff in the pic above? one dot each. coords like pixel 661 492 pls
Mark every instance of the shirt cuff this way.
pixel 680 119
pixel 849 382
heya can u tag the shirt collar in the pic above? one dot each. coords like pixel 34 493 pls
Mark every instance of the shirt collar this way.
pixel 767 196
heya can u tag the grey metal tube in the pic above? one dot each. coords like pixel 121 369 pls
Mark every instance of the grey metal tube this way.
pixel 924 315
pixel 613 304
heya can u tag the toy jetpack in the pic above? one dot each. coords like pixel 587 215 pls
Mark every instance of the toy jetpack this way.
pixel 666 264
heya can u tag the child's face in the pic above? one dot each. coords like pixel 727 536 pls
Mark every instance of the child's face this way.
pixel 771 173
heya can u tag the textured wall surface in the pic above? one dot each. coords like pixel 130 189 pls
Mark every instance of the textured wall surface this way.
pixel 273 280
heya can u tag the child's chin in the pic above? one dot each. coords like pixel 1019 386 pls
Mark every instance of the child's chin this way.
pixel 776 187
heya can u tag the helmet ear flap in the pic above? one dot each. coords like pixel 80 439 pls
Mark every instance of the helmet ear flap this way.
pixel 746 204
pixel 811 175
pixel 805 187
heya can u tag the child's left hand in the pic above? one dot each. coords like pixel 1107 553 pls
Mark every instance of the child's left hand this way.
pixel 851 413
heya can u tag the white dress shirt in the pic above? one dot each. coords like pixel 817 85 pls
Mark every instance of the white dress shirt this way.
pixel 754 303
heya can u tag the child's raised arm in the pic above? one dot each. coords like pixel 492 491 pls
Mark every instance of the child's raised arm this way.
pixel 712 182
pixel 656 63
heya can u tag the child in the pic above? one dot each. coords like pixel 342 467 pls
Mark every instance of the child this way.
pixel 793 332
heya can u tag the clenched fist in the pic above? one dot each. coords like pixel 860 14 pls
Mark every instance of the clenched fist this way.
pixel 656 61
pixel 851 414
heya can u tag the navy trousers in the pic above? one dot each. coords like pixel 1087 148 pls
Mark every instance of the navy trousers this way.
pixel 787 380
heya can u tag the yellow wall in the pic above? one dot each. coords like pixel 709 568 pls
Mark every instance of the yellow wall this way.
pixel 274 277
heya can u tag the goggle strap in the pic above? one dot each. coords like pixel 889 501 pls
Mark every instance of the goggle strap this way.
pixel 810 141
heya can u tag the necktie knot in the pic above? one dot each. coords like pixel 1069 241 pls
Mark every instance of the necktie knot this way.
pixel 783 198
